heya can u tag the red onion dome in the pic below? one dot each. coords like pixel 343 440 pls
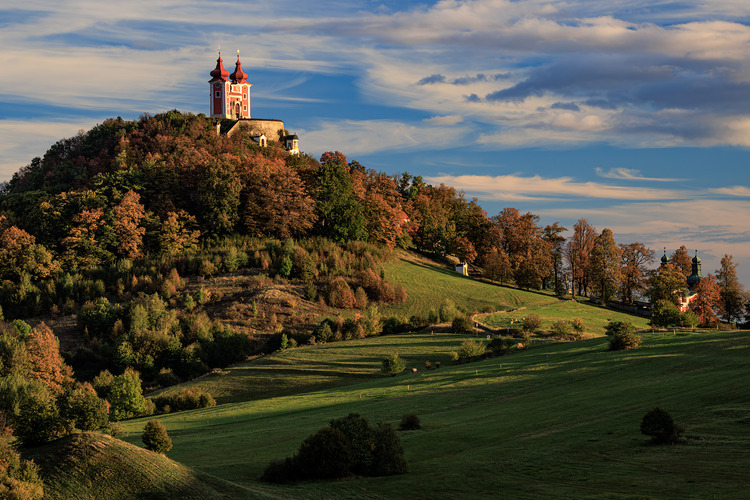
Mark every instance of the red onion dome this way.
pixel 219 73
pixel 238 76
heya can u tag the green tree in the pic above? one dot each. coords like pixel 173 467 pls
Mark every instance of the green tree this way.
pixel 340 214
pixel 155 437
pixel 665 314
pixel 622 336
pixel 126 396
pixel 552 235
pixel 393 365
pixel 658 424
pixel 667 283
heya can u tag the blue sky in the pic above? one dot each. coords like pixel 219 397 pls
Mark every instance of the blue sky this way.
pixel 634 116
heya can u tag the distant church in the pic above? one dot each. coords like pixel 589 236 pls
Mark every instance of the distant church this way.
pixel 230 100
pixel 692 280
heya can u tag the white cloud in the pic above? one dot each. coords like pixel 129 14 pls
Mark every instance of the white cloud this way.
pixel 516 187
pixel 628 174
pixel 368 136
pixel 444 120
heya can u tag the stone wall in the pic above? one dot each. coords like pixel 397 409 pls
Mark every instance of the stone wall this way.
pixel 254 127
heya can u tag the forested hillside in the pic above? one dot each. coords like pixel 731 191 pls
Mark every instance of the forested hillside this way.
pixel 144 253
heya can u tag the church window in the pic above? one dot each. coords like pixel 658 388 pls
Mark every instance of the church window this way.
pixel 218 93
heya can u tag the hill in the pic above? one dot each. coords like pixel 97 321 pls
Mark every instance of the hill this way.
pixel 93 466
pixel 555 421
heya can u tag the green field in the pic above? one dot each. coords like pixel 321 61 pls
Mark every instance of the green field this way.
pixel 594 317
pixel 321 366
pixel 428 285
pixel 558 420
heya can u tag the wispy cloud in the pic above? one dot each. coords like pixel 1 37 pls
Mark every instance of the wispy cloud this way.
pixel 368 136
pixel 517 187
pixel 628 174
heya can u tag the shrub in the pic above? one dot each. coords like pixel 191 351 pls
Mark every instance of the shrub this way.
pixel 410 422
pixel 453 356
pixel 665 314
pixel 324 455
pixel 658 424
pixel 471 349
pixel 500 345
pixel 531 323
pixel 463 325
pixel 561 328
pixel 622 336
pixel 427 364
pixel 155 437
pixel 361 440
pixel 393 365
pixel 578 325
pixel 689 319
pixel 340 294
pixel 447 311
pixel 345 447
pixel 388 454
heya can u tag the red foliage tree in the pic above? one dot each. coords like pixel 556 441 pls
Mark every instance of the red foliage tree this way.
pixel 127 217
pixel 707 301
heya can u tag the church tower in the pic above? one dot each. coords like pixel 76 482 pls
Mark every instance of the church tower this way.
pixel 230 93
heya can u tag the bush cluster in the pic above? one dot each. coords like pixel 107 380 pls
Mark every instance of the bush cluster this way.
pixel 185 399
pixel 347 447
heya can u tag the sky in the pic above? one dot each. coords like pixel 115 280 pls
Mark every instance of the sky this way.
pixel 635 116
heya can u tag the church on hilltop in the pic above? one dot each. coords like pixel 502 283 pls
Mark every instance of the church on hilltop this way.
pixel 230 100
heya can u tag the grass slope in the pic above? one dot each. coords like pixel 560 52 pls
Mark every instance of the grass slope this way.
pixel 594 317
pixel 428 284
pixel 312 368
pixel 94 466
pixel 555 421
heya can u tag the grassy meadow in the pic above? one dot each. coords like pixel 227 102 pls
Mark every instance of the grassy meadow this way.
pixel 594 316
pixel 557 420
pixel 428 285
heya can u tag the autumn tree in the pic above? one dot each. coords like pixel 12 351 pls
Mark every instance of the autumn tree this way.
pixel 578 254
pixel 84 247
pixel 682 260
pixel 177 234
pixel 527 251
pixel 708 300
pixel 47 365
pixel 464 250
pixel 275 202
pixel 19 253
pixel 633 271
pixel 497 266
pixel 732 296
pixel 604 266
pixel 127 216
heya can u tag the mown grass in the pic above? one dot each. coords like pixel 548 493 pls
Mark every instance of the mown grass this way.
pixel 322 366
pixel 428 285
pixel 556 421
pixel 94 466
pixel 594 317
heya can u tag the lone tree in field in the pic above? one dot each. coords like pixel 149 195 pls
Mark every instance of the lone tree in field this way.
pixel 155 437
pixel 393 365
pixel 622 336
pixel 658 424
